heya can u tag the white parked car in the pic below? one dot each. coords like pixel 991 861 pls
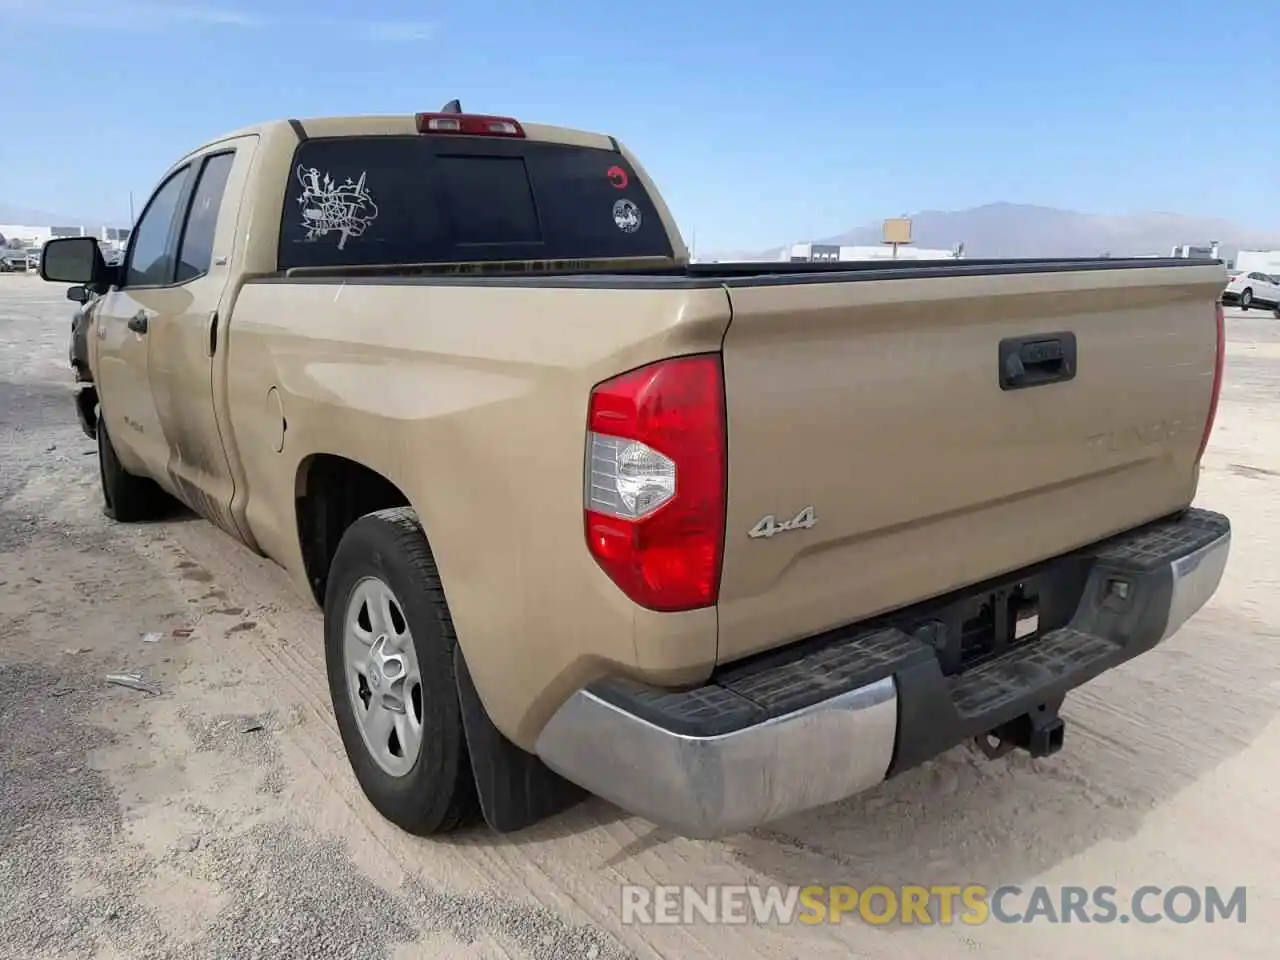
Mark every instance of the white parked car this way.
pixel 1252 289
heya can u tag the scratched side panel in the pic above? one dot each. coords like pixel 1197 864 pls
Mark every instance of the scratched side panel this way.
pixel 473 401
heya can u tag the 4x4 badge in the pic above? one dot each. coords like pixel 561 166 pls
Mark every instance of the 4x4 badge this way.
pixel 766 527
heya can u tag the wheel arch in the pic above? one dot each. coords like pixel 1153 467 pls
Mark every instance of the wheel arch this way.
pixel 331 492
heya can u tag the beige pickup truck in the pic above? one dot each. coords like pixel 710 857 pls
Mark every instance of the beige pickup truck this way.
pixel 717 542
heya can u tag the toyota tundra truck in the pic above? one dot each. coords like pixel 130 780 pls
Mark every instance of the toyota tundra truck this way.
pixel 716 542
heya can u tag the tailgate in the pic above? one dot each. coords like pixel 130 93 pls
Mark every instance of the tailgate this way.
pixel 868 419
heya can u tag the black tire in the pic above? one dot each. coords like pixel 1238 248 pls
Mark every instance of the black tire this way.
pixel 125 498
pixel 1246 298
pixel 438 794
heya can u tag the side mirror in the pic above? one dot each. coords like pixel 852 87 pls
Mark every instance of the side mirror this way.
pixel 73 260
pixel 78 293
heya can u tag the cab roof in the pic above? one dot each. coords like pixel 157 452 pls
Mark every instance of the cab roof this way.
pixel 404 124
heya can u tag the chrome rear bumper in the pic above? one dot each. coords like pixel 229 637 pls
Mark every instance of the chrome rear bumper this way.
pixel 673 757
pixel 710 786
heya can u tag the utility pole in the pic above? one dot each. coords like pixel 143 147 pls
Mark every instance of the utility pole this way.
pixel 131 220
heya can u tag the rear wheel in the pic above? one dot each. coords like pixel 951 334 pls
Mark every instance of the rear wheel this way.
pixel 389 646
pixel 1246 298
pixel 125 497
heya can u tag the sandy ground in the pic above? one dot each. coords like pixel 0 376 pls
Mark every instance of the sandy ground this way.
pixel 218 819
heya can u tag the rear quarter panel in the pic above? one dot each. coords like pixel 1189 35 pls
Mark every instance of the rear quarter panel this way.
pixel 471 397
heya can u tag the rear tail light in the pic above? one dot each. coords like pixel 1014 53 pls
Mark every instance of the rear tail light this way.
pixel 471 124
pixel 1217 379
pixel 655 482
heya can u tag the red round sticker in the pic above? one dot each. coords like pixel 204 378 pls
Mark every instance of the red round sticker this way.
pixel 618 177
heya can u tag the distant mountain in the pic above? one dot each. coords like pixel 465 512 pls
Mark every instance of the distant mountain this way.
pixel 1023 230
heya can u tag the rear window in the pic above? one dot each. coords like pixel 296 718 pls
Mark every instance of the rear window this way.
pixel 366 201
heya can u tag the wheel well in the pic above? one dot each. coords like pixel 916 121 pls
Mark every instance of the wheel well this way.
pixel 333 493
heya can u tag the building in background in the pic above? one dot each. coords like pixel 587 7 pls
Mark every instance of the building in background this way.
pixel 1258 261
pixel 835 253
pixel 896 244
pixel 1193 251
pixel 113 239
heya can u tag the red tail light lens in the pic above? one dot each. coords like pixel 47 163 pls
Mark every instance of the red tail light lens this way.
pixel 1217 379
pixel 655 482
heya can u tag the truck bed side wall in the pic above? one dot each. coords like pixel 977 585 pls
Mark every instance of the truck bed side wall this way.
pixel 472 400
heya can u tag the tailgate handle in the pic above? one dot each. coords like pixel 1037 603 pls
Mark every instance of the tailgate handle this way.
pixel 1037 360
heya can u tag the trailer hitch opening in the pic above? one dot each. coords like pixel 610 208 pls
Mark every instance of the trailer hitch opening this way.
pixel 1040 732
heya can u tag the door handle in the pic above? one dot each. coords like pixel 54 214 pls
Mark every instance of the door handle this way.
pixel 138 322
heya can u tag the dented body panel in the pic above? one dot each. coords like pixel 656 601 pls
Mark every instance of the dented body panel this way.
pixel 480 425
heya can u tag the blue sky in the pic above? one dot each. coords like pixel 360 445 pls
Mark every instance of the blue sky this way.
pixel 762 121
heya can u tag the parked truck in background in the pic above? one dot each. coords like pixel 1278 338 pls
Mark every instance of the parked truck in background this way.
pixel 717 542
pixel 1258 261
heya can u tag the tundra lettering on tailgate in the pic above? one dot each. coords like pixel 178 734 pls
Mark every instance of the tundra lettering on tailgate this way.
pixel 1137 435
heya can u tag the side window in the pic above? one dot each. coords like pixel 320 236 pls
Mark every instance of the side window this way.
pixel 195 252
pixel 151 259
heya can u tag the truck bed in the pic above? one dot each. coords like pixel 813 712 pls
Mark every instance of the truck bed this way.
pixel 886 269
pixel 648 273
pixel 871 395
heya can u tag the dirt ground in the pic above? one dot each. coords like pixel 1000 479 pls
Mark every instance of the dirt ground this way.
pixel 218 818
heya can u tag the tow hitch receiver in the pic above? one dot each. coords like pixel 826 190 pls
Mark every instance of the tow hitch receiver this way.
pixel 1040 733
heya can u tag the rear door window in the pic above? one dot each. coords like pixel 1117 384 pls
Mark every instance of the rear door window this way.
pixel 195 253
pixel 364 201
